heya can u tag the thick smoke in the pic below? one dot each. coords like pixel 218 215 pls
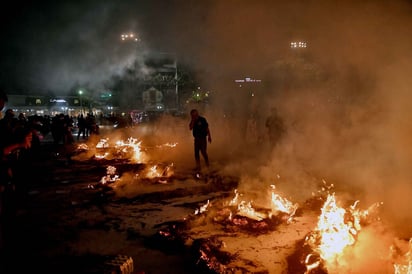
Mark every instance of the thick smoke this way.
pixel 344 99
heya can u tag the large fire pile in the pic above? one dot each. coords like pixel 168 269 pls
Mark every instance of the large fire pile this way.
pixel 335 244
pixel 345 241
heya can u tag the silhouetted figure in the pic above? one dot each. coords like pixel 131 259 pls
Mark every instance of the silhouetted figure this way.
pixel 201 134
pixel 252 132
pixel 81 125
pixel 57 128
pixel 15 140
pixel 275 127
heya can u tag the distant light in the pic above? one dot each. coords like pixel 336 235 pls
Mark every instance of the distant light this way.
pixel 130 37
pixel 298 44
pixel 58 100
pixel 248 80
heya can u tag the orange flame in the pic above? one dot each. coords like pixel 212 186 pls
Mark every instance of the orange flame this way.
pixel 336 234
pixel 203 208
pixel 405 268
pixel 111 175
pixel 131 143
pixel 280 204
pixel 337 229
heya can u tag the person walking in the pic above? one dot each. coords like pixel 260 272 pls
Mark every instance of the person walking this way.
pixel 201 133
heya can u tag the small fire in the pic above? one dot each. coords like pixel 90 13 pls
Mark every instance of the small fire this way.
pixel 235 200
pixel 280 204
pixel 101 156
pixel 111 175
pixel 103 143
pixel 158 172
pixel 203 208
pixel 167 145
pixel 132 143
pixel 82 147
pixel 245 209
pixel 153 172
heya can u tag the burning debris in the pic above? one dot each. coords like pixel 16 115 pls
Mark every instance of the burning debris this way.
pixel 324 248
pixel 111 176
pixel 131 150
pixel 230 217
pixel 403 262
pixel 119 152
pixel 337 229
pixel 209 257
pixel 159 172
pixel 331 246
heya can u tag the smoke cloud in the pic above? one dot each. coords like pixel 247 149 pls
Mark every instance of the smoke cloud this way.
pixel 344 99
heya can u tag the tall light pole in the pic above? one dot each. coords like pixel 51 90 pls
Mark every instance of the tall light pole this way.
pixel 81 103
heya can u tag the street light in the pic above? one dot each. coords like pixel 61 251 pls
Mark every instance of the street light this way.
pixel 81 104
pixel 130 37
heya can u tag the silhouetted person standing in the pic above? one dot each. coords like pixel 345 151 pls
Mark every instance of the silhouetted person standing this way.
pixel 14 140
pixel 201 133
pixel 275 127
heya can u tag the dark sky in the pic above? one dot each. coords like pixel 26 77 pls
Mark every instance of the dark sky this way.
pixel 53 45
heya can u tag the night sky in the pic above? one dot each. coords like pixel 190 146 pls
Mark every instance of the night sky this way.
pixel 54 45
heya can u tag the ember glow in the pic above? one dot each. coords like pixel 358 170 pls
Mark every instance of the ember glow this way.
pixel 156 171
pixel 167 145
pixel 111 175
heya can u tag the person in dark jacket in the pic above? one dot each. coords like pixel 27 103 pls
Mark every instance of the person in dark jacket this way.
pixel 201 133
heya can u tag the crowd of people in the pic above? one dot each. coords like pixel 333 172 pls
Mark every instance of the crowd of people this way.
pixel 16 141
pixel 20 147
